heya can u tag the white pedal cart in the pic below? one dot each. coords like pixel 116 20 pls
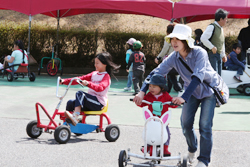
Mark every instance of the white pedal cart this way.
pixel 241 87
pixel 154 134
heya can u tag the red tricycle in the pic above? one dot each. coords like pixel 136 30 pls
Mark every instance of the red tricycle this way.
pixel 62 132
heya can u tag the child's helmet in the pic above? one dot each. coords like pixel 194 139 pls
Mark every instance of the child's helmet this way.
pixel 137 45
pixel 131 41
pixel 157 79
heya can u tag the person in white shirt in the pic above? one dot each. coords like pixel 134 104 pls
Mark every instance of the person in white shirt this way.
pixel 213 38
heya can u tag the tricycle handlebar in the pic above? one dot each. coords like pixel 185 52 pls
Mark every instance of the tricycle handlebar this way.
pixel 164 103
pixel 58 82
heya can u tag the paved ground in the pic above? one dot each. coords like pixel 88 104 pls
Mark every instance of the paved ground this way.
pixel 17 108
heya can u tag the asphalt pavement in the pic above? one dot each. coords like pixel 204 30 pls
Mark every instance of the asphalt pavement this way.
pixel 231 130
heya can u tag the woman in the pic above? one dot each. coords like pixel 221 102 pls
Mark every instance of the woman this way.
pixel 167 50
pixel 196 91
pixel 18 56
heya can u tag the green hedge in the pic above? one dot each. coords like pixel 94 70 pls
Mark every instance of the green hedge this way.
pixel 78 47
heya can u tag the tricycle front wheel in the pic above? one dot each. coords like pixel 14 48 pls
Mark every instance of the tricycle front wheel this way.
pixel 112 133
pixel 32 130
pixel 62 134
pixel 122 159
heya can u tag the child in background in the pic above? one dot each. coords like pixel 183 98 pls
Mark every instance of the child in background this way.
pixel 157 92
pixel 130 43
pixel 98 82
pixel 138 59
pixel 234 64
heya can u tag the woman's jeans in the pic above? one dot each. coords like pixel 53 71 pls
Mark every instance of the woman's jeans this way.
pixel 130 79
pixel 205 125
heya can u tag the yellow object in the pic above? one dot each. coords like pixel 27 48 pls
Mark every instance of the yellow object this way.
pixel 105 109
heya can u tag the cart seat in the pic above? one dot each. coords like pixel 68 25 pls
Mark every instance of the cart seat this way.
pixel 22 68
pixel 105 109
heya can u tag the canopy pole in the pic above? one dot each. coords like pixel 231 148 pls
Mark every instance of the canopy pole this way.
pixel 57 34
pixel 28 50
pixel 183 20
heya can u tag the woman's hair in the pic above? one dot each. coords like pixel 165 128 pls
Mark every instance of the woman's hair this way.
pixel 19 43
pixel 106 59
pixel 186 47
pixel 170 28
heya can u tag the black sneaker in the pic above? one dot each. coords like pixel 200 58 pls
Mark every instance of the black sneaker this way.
pixel 237 78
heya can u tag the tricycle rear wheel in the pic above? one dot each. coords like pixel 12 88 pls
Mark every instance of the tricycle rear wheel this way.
pixel 50 70
pixel 32 130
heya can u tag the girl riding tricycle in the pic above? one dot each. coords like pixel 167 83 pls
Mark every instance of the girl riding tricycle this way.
pixel 94 102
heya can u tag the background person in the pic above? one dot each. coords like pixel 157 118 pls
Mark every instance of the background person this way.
pixel 18 56
pixel 244 40
pixel 213 38
pixel 234 64
pixel 196 94
pixel 130 43
pixel 197 34
pixel 139 61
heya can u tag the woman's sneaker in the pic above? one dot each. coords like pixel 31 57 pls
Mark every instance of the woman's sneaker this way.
pixel 191 157
pixel 73 117
pixel 200 164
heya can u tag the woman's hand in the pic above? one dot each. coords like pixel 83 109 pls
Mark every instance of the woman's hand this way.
pixel 178 100
pixel 138 98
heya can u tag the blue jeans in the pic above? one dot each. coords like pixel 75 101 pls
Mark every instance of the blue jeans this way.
pixel 205 125
pixel 215 61
pixel 237 68
pixel 130 77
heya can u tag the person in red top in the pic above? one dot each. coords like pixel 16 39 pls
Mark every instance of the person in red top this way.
pixel 157 92
pixel 98 82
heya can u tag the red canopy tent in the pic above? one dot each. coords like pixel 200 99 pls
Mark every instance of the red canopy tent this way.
pixel 197 10
pixel 63 8
pixel 156 8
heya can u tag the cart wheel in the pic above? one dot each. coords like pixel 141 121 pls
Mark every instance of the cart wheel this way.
pixel 15 76
pixel 32 76
pixel 10 76
pixel 32 130
pixel 112 133
pixel 122 159
pixel 246 90
pixel 51 71
pixel 62 134
pixel 184 162
pixel 240 89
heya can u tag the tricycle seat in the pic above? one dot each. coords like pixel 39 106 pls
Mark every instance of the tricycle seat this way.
pixel 105 109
